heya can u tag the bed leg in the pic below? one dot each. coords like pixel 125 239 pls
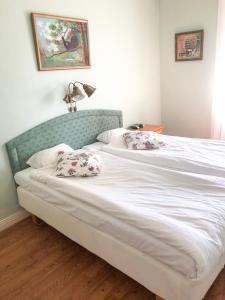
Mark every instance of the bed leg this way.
pixel 158 298
pixel 37 221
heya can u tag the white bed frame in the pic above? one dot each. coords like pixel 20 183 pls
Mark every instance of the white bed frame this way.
pixel 154 275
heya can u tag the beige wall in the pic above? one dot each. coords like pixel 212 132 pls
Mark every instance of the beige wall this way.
pixel 186 87
pixel 125 69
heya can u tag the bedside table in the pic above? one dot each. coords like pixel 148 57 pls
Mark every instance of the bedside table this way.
pixel 150 127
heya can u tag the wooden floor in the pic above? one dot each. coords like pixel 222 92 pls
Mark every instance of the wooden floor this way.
pixel 40 263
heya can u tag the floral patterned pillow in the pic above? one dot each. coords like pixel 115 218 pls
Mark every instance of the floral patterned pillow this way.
pixel 85 163
pixel 142 140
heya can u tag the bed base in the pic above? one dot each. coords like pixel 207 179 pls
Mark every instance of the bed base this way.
pixel 154 275
pixel 37 221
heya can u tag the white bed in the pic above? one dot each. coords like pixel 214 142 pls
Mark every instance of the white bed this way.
pixel 155 276
pixel 109 224
pixel 193 251
pixel 175 251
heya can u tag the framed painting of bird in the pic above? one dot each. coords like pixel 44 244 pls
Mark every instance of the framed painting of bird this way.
pixel 61 43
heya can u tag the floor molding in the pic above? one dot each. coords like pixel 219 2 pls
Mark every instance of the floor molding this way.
pixel 13 219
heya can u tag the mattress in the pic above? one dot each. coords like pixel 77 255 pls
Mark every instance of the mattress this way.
pixel 103 222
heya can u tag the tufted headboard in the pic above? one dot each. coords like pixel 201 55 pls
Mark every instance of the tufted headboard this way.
pixel 75 129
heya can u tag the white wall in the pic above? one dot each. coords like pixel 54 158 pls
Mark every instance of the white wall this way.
pixel 186 87
pixel 125 69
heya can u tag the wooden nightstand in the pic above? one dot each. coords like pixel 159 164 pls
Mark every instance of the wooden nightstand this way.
pixel 150 127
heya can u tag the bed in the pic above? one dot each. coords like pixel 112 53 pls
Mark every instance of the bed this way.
pixel 113 239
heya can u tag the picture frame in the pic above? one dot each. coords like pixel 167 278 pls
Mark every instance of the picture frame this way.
pixel 61 43
pixel 189 45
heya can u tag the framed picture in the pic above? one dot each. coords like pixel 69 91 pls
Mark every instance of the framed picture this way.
pixel 189 45
pixel 61 43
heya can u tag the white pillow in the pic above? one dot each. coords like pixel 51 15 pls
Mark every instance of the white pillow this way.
pixel 106 136
pixel 47 157
pixel 83 164
pixel 118 142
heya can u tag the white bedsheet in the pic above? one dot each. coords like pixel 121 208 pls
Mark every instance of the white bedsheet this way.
pixel 94 146
pixel 126 233
pixel 182 210
pixel 199 156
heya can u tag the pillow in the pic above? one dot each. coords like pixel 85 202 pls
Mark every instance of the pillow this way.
pixel 118 142
pixel 47 157
pixel 106 136
pixel 142 141
pixel 85 163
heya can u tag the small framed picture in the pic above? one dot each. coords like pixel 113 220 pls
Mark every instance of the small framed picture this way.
pixel 189 45
pixel 60 42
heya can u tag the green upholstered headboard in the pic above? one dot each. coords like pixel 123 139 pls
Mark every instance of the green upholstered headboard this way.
pixel 75 129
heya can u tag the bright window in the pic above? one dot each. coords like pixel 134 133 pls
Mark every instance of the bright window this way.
pixel 218 114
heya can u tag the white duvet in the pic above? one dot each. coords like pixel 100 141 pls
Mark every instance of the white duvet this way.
pixel 199 156
pixel 183 210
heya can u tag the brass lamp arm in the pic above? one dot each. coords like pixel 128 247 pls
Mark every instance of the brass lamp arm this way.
pixel 78 82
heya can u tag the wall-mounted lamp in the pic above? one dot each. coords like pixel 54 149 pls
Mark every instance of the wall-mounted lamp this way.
pixel 75 94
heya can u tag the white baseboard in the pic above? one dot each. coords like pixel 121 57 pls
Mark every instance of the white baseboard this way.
pixel 13 219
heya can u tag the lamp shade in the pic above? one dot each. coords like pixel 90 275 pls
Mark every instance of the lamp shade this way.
pixel 77 93
pixel 89 90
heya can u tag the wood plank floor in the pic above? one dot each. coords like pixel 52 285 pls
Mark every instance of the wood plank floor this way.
pixel 40 263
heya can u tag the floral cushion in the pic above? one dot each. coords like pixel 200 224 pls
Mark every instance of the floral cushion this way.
pixel 85 163
pixel 142 140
